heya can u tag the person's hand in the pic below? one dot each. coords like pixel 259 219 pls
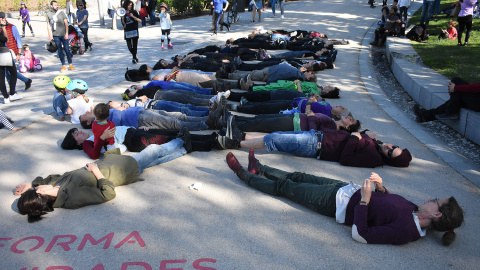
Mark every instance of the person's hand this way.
pixel 144 128
pixel 175 69
pixel 224 9
pixel 47 190
pixel 123 107
pixel 62 118
pixel 451 87
pixel 366 191
pixel 18 58
pixel 108 133
pixel 310 113
pixel 91 167
pixel 377 180
pixel 20 189
pixel 371 134
pixel 359 136
pixel 16 128
pixel 66 36
pixel 144 98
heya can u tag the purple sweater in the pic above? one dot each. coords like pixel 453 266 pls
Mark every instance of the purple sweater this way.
pixel 318 122
pixel 388 219
pixel 24 14
pixel 317 107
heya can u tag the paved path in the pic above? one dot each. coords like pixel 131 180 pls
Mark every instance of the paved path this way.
pixel 159 223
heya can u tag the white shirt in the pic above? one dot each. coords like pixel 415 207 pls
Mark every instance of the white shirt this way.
pixel 161 73
pixel 342 198
pixel 79 107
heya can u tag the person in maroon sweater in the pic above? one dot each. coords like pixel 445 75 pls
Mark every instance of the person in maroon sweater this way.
pixel 355 149
pixel 462 95
pixel 376 217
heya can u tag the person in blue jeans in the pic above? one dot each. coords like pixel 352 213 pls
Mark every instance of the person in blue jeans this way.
pixel 427 11
pixel 57 25
pixel 152 5
pixel 273 2
pixel 162 105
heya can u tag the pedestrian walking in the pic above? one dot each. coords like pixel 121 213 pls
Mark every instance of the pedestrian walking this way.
pixel 69 10
pixel 257 6
pixel 112 14
pixel 130 27
pixel 82 21
pixel 57 26
pixel 25 16
pixel 273 3
pixel 218 11
pixel 166 25
pixel 6 64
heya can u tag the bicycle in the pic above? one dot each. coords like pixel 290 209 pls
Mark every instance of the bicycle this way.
pixel 43 10
pixel 232 15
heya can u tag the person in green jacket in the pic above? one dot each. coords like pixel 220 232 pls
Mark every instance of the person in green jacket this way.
pixel 93 184
pixel 302 87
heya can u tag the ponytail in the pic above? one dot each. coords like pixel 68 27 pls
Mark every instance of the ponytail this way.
pixel 85 98
pixel 452 218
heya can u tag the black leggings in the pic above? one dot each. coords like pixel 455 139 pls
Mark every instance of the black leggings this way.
pixel 266 123
pixel 29 26
pixel 464 22
pixel 269 107
pixel 261 96
pixel 132 46
pixel 13 80
pixel 85 38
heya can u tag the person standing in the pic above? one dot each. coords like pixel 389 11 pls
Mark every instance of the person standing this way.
pixel 15 44
pixel 166 25
pixel 218 11
pixel 130 27
pixel 82 22
pixel 151 7
pixel 273 3
pixel 6 65
pixel 57 26
pixel 25 16
pixel 112 14
pixel 69 10
pixel 257 7
pixel 404 6
pixel 465 20
pixel 427 11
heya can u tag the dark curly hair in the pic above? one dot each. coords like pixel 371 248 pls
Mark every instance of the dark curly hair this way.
pixel 452 218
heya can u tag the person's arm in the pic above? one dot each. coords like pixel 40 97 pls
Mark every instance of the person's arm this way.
pixel 225 8
pixel 358 152
pixel 18 39
pixel 469 88
pixel 49 29
pixel 65 22
pixel 299 85
pixel 93 150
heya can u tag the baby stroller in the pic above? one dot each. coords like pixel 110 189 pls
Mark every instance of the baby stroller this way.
pixel 75 39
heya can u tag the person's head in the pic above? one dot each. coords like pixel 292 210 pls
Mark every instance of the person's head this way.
pixel 3 18
pixel 309 77
pixel 452 24
pixel 25 47
pixel 393 10
pixel 447 216
pixel 86 120
pixel 80 5
pixel 163 63
pixel 339 111
pixel 113 105
pixel 60 82
pixel 34 205
pixel 145 70
pixel 128 5
pixel 178 57
pixel 74 139
pixel 101 112
pixel 163 8
pixel 349 123
pixel 54 5
pixel 385 10
pixel 132 88
pixel 230 41
pixel 23 5
pixel 330 92
pixel 394 156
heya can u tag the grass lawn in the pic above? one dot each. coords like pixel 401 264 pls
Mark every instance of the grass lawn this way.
pixel 445 56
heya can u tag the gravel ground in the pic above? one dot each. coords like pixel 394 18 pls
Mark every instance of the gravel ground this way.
pixel 395 92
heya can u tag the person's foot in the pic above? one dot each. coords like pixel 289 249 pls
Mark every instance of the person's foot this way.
pixel 249 81
pixel 6 100
pixel 184 134
pixel 447 116
pixel 71 67
pixel 225 143
pixel 230 125
pixel 33 34
pixel 28 84
pixel 419 113
pixel 221 74
pixel 64 68
pixel 233 163
pixel 243 85
pixel 459 44
pixel 243 101
pixel 281 16
pixel 15 97
pixel 22 36
pixel 90 46
pixel 466 44
pixel 170 46
pixel 163 47
pixel 253 163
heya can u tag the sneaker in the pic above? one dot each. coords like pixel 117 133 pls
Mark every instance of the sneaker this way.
pixel 170 46
pixel 6 100
pixel 249 81
pixel 22 36
pixel 28 84
pixel 243 85
pixel 226 94
pixel 226 143
pixel 64 68
pixel 446 116
pixel 71 67
pixel 163 47
pixel 33 34
pixel 15 97
pixel 281 17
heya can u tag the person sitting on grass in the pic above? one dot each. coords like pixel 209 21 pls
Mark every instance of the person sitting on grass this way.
pixel 376 217
pixel 450 32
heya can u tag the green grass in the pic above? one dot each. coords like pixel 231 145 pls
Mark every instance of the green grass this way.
pixel 445 56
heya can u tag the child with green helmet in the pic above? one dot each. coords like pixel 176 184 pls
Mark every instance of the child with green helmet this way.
pixel 60 104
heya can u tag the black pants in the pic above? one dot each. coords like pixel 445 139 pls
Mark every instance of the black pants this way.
pixel 138 139
pixel 381 36
pixel 29 26
pixel 85 38
pixel 197 63
pixel 261 96
pixel 218 20
pixel 148 92
pixel 13 80
pixel 266 123
pixel 132 44
pixel 464 22
pixel 457 101
pixel 269 107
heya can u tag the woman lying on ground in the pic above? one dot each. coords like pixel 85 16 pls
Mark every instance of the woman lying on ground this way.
pixel 186 76
pixel 93 184
pixel 376 217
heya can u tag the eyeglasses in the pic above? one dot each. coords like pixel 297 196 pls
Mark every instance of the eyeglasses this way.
pixel 390 152
pixel 436 200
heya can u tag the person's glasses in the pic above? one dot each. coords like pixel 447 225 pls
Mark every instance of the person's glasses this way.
pixel 390 152
pixel 436 200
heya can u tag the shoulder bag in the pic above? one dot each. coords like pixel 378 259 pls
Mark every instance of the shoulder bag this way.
pixel 6 57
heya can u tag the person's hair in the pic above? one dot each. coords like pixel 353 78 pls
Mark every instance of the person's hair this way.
pixel 101 111
pixel 127 3
pixel 228 42
pixel 85 124
pixel 395 9
pixel 354 127
pixel 175 59
pixel 84 97
pixel 385 8
pixel 34 205
pixel 335 93
pixel 69 142
pixel 143 70
pixel 452 218
pixel 312 78
pixel 318 67
pixel 452 23
pixel 25 4
pixel 53 1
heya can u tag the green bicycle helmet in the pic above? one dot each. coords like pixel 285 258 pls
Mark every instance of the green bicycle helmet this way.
pixel 79 86
pixel 61 81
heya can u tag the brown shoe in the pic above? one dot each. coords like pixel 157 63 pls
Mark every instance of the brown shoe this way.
pixel 64 68
pixel 71 67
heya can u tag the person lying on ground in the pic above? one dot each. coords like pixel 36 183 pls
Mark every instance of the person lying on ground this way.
pixel 376 217
pixel 355 149
pixel 93 184
pixel 135 140
pixel 190 62
pixel 462 95
pixel 302 65
pixel 194 78
pixel 162 105
pixel 6 122
pixel 281 94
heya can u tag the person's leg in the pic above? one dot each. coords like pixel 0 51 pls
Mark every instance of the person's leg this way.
pixel 67 49
pixel 13 78
pixel 282 2
pixel 129 45
pixel 181 116
pixel 58 42
pixel 264 107
pixel 259 14
pixel 300 143
pixel 273 2
pixel 144 21
pixel 237 74
pixel 134 47
pixel 424 12
pixel 3 86
pixel 85 38
pixel 468 26
pixel 430 12
pixel 461 26
pixel 253 14
pixel 155 154
pixel 152 16
pixel 19 75
pixel 437 7
pixel 283 122
pixel 23 28
pixel 169 41
pixel 137 139
pixel 189 87
pixel 203 143
pixel 171 106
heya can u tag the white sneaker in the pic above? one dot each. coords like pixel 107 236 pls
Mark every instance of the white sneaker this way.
pixel 281 17
pixel 6 100
pixel 226 94
pixel 15 97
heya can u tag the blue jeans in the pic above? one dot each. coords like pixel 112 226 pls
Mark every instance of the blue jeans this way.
pixel 273 2
pixel 427 11
pixel 403 12
pixel 188 109
pixel 62 43
pixel 188 87
pixel 155 154
pixel 314 192
pixel 437 7
pixel 152 16
pixel 300 143
pixel 19 74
